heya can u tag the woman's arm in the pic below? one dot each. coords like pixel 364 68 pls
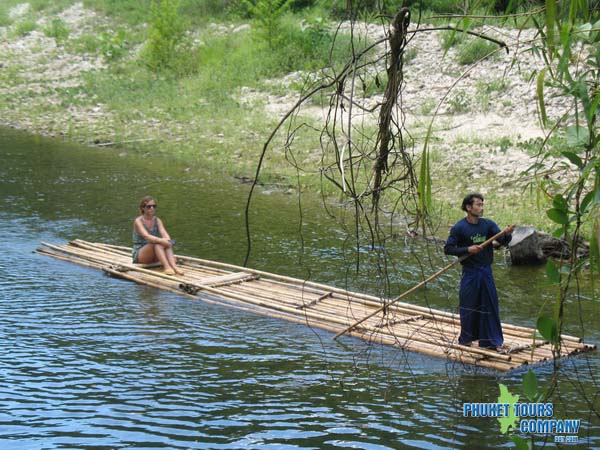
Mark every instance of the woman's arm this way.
pixel 142 231
pixel 162 230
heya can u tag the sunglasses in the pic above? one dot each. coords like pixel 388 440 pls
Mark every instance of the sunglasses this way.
pixel 150 206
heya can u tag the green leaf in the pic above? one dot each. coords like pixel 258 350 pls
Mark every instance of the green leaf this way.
pixel 581 92
pixel 595 34
pixel 593 107
pixel 577 136
pixel 520 443
pixel 584 30
pixel 550 21
pixel 540 96
pixel 558 216
pixel 559 202
pixel 511 419
pixel 530 386
pixel 552 272
pixel 587 200
pixel 576 160
pixel 424 187
pixel 559 233
pixel 547 328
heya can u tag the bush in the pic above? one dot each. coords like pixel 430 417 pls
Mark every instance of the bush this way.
pixel 459 103
pixel 268 14
pixel 474 50
pixel 203 10
pixel 57 30
pixel 168 47
pixel 132 11
pixel 308 46
pixel 449 39
pixel 4 19
pixel 25 27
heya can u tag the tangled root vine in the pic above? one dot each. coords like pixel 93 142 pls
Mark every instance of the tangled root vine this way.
pixel 366 151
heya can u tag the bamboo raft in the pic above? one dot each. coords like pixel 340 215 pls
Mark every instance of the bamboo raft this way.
pixel 415 328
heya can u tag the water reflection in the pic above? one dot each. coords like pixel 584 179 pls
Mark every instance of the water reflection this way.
pixel 93 362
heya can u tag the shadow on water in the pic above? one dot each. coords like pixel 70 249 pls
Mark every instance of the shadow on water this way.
pixel 94 362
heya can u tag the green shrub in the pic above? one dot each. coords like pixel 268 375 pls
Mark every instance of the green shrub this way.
pixel 113 45
pixel 497 85
pixel 268 14
pixel 309 46
pixel 133 12
pixel 168 47
pixel 4 19
pixel 25 27
pixel 110 44
pixel 474 50
pixel 428 105
pixel 86 43
pixel 450 39
pixel 49 7
pixel 459 102
pixel 203 10
pixel 57 30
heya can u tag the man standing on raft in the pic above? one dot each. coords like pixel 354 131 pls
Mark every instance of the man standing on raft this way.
pixel 479 312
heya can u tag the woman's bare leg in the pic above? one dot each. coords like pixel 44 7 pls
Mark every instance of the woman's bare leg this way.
pixel 172 260
pixel 151 253
pixel 161 254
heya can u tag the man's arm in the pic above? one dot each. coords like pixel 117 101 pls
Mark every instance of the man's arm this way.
pixel 507 236
pixel 452 247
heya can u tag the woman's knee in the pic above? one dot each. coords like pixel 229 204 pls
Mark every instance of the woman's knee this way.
pixel 147 254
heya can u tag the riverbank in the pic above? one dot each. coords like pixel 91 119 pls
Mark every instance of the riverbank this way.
pixel 85 84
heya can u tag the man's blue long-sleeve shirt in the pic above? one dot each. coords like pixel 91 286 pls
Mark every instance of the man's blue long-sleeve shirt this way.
pixel 464 234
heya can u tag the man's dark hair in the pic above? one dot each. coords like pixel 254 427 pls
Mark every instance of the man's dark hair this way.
pixel 469 199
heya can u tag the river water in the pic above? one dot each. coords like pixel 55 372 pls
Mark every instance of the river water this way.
pixel 88 361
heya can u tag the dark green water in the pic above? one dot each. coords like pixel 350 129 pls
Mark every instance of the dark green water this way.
pixel 88 361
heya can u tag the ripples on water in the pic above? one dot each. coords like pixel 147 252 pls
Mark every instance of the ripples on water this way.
pixel 89 361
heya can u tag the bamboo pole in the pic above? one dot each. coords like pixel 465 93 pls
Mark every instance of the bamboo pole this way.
pixel 421 284
pixel 49 252
pixel 254 309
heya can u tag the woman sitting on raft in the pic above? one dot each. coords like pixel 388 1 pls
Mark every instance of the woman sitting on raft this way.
pixel 151 242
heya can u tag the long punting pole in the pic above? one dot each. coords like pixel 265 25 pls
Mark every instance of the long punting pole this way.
pixel 418 286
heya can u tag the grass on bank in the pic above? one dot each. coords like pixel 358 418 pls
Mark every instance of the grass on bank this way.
pixel 191 110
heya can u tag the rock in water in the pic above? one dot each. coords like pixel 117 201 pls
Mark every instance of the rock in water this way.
pixel 524 247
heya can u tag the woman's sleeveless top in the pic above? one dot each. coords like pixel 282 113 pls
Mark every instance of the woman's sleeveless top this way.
pixel 139 241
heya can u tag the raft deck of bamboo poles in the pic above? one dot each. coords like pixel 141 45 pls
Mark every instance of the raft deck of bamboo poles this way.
pixel 416 328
